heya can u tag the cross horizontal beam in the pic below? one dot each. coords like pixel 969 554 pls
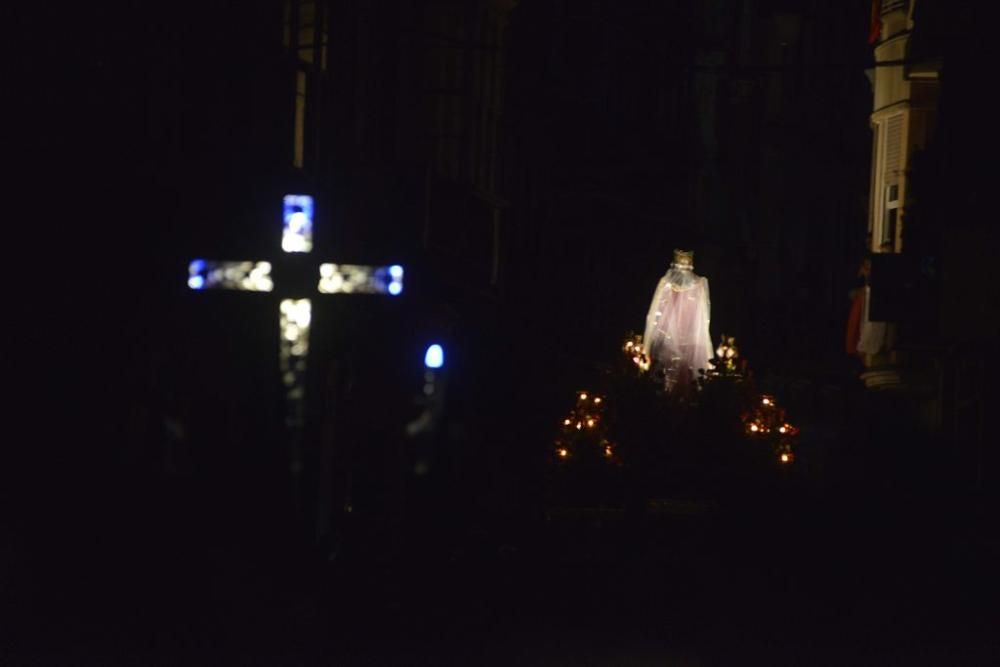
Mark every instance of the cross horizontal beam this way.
pixel 255 276
pixel 241 275
pixel 360 279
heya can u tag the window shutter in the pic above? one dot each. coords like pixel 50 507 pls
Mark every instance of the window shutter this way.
pixel 893 148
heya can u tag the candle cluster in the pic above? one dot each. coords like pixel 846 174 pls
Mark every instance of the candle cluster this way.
pixel 766 422
pixel 584 428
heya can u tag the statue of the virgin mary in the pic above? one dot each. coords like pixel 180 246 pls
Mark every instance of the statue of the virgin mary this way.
pixel 676 340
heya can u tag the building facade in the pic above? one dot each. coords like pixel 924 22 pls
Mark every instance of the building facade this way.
pixel 903 118
pixel 930 231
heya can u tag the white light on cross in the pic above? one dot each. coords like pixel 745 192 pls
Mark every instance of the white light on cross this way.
pixel 252 276
pixel 298 232
pixel 296 313
pixel 352 278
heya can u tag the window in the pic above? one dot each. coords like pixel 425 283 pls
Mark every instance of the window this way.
pixel 873 185
pixel 890 216
pixel 888 184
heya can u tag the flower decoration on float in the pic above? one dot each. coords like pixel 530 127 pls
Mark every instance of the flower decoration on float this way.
pixel 726 354
pixel 724 363
pixel 634 351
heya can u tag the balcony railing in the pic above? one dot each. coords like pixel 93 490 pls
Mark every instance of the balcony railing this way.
pixel 889 6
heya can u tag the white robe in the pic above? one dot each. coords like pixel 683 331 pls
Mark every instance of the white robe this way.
pixel 677 339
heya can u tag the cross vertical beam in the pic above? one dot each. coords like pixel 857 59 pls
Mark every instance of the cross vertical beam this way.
pixel 295 310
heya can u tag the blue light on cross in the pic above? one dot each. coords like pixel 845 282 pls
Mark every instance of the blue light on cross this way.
pixel 296 313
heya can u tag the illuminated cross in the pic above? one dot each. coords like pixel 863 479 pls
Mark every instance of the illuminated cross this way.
pixel 296 313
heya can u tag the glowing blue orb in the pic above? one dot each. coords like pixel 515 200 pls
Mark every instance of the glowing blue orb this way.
pixel 395 288
pixel 396 271
pixel 197 266
pixel 434 357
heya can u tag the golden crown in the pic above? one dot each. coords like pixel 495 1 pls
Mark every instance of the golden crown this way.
pixel 684 258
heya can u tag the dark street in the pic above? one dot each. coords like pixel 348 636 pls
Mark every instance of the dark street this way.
pixel 884 568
